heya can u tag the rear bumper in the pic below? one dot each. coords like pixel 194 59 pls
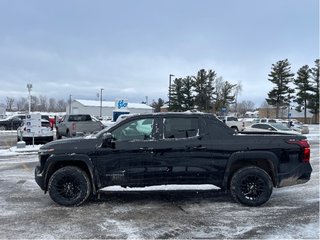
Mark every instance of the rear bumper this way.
pixel 38 139
pixel 299 175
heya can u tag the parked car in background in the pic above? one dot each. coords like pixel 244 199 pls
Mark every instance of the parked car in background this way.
pixel 299 127
pixel 269 127
pixel 72 124
pixel 44 136
pixel 51 119
pixel 232 122
pixel 12 122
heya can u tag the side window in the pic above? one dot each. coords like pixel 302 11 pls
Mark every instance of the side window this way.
pixel 256 126
pixel 263 126
pixel 71 118
pixel 140 129
pixel 175 127
pixel 87 117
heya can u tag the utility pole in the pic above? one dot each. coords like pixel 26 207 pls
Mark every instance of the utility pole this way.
pixel 171 75
pixel 101 102
pixel 70 103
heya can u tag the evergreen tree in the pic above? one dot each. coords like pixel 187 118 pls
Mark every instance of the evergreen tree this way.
pixel 313 104
pixel 225 94
pixel 228 97
pixel 157 105
pixel 281 76
pixel 187 92
pixel 176 96
pixel 203 87
pixel 303 87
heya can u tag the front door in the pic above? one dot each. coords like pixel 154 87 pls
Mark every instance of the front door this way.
pixel 127 159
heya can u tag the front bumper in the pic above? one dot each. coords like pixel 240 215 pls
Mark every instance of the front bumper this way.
pixel 298 175
pixel 39 177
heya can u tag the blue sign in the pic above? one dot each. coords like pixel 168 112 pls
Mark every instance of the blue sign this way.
pixel 121 104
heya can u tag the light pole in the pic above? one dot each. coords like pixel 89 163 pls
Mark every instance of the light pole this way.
pixel 101 102
pixel 70 103
pixel 171 75
pixel 29 86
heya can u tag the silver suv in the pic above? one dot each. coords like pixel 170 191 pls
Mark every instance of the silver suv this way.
pixel 72 124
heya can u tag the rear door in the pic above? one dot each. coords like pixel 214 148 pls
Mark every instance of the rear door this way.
pixel 181 154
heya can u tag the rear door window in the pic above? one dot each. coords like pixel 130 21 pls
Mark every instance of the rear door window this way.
pixel 178 127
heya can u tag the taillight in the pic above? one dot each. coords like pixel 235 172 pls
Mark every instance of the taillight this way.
pixel 304 144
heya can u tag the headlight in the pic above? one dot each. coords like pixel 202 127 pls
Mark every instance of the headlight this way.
pixel 45 151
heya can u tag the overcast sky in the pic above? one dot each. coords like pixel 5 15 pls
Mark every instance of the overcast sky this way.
pixel 129 47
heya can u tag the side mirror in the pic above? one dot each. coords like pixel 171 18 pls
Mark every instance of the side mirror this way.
pixel 107 140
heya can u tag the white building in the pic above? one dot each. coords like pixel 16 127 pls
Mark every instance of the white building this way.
pixel 107 108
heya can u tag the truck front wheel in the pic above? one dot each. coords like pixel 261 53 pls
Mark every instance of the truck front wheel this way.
pixel 251 186
pixel 69 186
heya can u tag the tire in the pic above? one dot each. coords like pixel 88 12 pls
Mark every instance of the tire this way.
pixel 235 129
pixel 2 128
pixel 58 134
pixel 68 133
pixel 69 186
pixel 251 186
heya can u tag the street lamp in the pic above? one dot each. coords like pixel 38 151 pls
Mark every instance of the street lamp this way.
pixel 29 86
pixel 101 102
pixel 171 75
pixel 70 103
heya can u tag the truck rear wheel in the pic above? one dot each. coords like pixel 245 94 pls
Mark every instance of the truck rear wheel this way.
pixel 69 186
pixel 251 186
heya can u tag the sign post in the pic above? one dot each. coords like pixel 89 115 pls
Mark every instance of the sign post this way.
pixel 33 125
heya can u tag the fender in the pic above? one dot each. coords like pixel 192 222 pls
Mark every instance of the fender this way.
pixel 53 160
pixel 250 156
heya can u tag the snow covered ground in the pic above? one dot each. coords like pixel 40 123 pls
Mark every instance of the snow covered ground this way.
pixel 177 212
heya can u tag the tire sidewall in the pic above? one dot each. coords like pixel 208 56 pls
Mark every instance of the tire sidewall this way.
pixel 81 179
pixel 242 174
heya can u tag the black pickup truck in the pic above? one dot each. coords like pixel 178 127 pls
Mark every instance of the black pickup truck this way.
pixel 173 148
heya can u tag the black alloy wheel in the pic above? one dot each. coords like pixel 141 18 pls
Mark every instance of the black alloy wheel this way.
pixel 251 186
pixel 69 186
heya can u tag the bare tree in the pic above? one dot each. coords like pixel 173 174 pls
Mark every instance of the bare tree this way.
pixel 34 103
pixel 61 105
pixel 43 103
pixel 52 105
pixel 245 106
pixel 22 104
pixel 10 102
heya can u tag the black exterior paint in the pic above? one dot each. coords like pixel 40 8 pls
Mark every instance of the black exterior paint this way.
pixel 209 157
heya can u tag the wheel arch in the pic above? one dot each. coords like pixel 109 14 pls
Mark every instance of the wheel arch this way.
pixel 82 161
pixel 267 161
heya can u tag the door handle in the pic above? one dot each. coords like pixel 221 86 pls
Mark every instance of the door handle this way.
pixel 146 149
pixel 199 148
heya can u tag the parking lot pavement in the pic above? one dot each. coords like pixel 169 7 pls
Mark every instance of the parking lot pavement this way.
pixel 25 212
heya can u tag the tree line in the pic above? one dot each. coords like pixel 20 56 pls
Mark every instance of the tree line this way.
pixel 303 89
pixel 204 91
pixel 41 104
pixel 208 93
